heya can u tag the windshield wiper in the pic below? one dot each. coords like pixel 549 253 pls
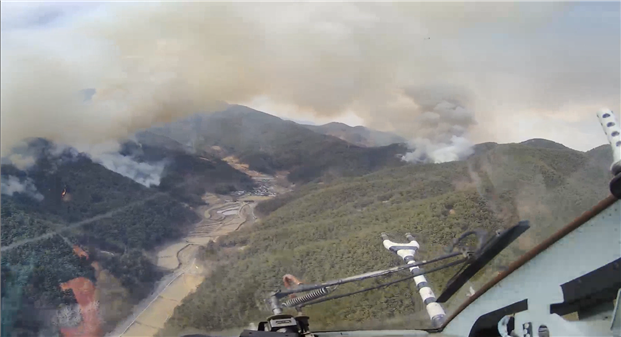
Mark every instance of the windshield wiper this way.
pixel 482 257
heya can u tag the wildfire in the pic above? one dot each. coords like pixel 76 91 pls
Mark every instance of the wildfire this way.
pixel 64 192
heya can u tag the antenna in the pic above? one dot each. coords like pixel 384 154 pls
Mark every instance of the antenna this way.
pixel 613 132
pixel 406 251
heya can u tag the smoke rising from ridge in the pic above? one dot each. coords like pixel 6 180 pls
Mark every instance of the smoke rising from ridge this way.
pixel 151 63
pixel 12 185
pixel 147 174
pixel 108 154
pixel 442 124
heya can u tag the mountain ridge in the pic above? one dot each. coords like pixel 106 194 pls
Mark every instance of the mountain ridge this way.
pixel 344 194
pixel 357 135
pixel 269 144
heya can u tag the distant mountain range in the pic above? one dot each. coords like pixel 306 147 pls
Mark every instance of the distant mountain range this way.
pixel 357 135
pixel 269 144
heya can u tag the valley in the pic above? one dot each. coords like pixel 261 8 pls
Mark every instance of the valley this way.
pixel 172 253
pixel 182 258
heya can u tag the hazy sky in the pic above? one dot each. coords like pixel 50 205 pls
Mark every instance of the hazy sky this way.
pixel 517 71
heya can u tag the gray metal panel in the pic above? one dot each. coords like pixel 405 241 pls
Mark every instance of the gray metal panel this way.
pixel 592 245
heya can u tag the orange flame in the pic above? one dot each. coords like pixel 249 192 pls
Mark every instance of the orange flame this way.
pixel 64 192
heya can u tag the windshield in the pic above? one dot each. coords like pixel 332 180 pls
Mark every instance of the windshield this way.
pixel 165 165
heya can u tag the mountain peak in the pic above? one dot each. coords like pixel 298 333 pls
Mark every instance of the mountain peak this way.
pixel 336 124
pixel 544 144
pixel 357 135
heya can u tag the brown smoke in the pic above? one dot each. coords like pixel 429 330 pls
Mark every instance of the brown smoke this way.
pixel 389 63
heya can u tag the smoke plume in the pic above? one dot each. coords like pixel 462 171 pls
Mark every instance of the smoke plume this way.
pixel 108 154
pixel 105 153
pixel 148 63
pixel 442 124
pixel 21 161
pixel 12 185
pixel 147 174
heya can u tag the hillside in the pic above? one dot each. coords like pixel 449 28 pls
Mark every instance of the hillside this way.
pixel 544 144
pixel 112 217
pixel 269 144
pixel 357 135
pixel 187 174
pixel 322 232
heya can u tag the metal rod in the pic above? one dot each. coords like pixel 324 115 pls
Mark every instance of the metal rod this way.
pixel 275 305
pixel 450 264
pixel 407 251
pixel 309 287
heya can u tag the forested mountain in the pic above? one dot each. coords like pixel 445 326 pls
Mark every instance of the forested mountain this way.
pixel 116 219
pixel 269 144
pixel 188 174
pixel 544 144
pixel 357 135
pixel 326 231
pixel 105 211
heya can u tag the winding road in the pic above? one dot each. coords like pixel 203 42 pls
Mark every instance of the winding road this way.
pixel 150 314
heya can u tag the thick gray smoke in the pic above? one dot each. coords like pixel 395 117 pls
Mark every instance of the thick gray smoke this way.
pixel 12 185
pixel 442 124
pixel 151 63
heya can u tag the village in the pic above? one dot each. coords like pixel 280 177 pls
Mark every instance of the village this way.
pixel 264 188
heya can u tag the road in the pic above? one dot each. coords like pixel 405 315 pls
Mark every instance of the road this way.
pixel 166 281
pixel 148 316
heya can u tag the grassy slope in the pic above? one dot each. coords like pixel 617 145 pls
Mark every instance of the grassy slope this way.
pixel 323 232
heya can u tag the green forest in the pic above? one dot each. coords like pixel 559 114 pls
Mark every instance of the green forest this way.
pixel 331 230
pixel 322 230
pixel 102 211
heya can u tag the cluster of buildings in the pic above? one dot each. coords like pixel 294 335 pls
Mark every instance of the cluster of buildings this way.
pixel 262 189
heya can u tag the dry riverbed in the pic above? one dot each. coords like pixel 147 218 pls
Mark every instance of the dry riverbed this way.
pixel 222 216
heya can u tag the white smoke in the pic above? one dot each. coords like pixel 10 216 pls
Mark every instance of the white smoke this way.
pixel 107 154
pixel 147 174
pixel 442 125
pixel 426 150
pixel 12 185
